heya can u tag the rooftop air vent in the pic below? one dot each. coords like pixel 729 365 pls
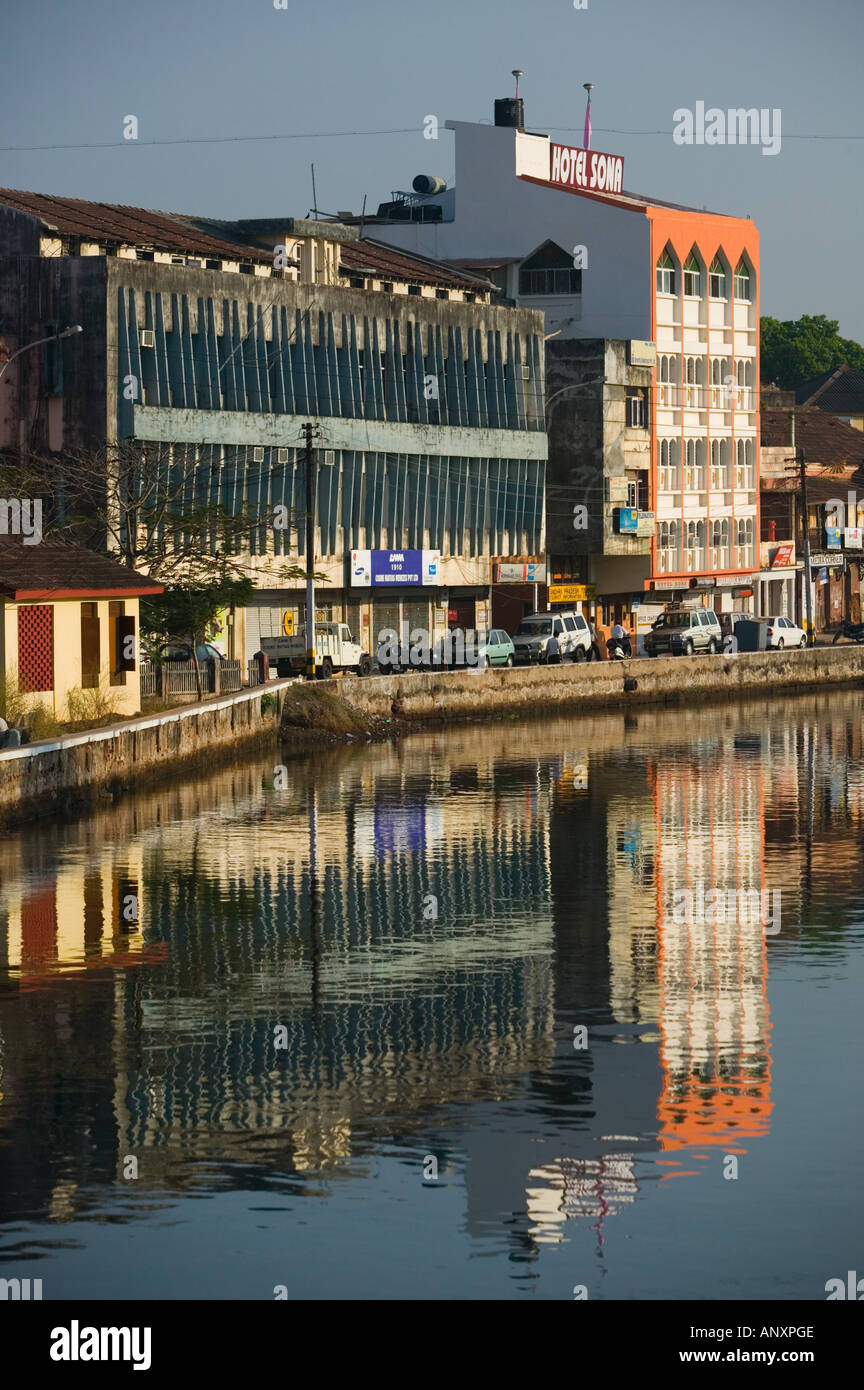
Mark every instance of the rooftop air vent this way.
pixel 147 338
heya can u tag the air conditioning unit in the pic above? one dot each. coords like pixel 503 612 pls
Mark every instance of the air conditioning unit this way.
pixel 282 455
pixel 526 373
pixel 147 338
pixel 329 458
pixel 258 454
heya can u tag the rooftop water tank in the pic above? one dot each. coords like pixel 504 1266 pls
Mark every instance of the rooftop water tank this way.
pixel 428 183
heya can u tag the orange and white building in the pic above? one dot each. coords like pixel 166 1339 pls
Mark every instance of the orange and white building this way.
pixel 554 228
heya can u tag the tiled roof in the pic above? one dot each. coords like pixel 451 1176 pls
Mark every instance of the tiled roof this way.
pixel 164 231
pixel 824 439
pixel 57 567
pixel 840 391
pixel 170 231
pixel 390 263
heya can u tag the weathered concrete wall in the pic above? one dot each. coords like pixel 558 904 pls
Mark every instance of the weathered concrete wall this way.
pixel 488 694
pixel 51 775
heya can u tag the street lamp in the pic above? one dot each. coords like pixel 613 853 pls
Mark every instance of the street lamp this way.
pixel 70 332
pixel 577 386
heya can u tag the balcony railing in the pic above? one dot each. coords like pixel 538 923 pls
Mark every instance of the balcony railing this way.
pixel 668 561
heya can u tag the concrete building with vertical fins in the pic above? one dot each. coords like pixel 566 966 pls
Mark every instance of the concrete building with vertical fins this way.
pixel 212 343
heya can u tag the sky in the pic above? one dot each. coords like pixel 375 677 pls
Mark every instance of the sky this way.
pixel 217 70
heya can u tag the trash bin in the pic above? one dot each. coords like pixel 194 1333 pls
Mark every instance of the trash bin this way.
pixel 752 634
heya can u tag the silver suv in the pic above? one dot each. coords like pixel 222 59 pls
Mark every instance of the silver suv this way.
pixel 683 631
pixel 552 637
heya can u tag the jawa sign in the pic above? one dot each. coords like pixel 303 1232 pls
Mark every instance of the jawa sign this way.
pixel 589 171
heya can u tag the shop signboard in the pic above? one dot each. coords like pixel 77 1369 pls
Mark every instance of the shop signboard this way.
pixel 783 556
pixel 387 568
pixel 642 354
pixel 625 519
pixel 832 537
pixel 520 572
pixel 852 537
pixel 571 593
pixel 618 489
pixel 645 524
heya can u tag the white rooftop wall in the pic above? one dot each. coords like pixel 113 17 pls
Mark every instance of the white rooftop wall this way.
pixel 498 214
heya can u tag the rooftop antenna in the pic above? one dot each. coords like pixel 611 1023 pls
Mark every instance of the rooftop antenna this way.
pixel 314 194
pixel 362 217
pixel 517 73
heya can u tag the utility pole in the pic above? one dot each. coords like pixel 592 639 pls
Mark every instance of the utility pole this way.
pixel 311 495
pixel 801 460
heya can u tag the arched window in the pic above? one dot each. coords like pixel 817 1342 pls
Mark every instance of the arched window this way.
pixel 742 280
pixel 668 464
pixel 666 274
pixel 717 279
pixel 692 277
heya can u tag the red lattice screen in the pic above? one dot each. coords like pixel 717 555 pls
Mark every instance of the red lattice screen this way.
pixel 36 648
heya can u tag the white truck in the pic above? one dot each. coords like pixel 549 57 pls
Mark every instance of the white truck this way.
pixel 335 650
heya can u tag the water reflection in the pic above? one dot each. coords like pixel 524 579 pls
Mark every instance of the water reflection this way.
pixel 256 980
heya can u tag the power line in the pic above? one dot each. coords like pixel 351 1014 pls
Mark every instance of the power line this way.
pixel 345 134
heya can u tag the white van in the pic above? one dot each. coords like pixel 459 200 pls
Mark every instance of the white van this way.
pixel 562 635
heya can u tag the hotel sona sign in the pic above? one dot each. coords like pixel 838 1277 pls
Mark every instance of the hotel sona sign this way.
pixel 589 171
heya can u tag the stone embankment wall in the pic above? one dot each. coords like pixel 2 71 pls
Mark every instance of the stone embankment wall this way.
pixel 432 698
pixel 79 768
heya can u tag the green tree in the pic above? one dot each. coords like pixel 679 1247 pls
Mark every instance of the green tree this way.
pixel 796 350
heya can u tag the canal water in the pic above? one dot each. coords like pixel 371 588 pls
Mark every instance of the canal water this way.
pixel 549 1010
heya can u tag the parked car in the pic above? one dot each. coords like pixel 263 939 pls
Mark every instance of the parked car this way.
pixel 683 631
pixel 551 637
pixel 497 647
pixel 782 632
pixel 178 650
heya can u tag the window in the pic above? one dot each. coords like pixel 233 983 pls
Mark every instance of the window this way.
pixel 717 279
pixel 117 630
pixel 637 409
pixel 742 281
pixel 668 465
pixel 549 271
pixel 692 277
pixel 36 648
pixel 90 653
pixel 570 624
pixel 558 627
pixel 560 281
pixel 666 275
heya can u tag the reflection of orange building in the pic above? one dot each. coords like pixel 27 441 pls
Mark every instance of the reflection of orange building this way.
pixel 713 1018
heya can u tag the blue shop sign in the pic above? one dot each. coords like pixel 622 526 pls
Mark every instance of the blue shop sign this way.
pixel 833 537
pixel 627 520
pixel 397 566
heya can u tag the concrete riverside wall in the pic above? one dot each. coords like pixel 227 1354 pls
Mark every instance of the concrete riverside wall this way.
pixel 47 775
pixel 431 697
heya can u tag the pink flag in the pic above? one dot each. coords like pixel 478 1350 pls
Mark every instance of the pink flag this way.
pixel 586 138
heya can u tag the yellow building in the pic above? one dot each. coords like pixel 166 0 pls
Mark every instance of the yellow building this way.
pixel 69 626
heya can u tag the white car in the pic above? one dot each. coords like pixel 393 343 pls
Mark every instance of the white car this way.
pixel 782 632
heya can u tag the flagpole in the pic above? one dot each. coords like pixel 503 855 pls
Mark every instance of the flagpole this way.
pixel 586 136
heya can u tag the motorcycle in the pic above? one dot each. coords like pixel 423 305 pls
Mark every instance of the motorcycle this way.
pixel 854 632
pixel 617 648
